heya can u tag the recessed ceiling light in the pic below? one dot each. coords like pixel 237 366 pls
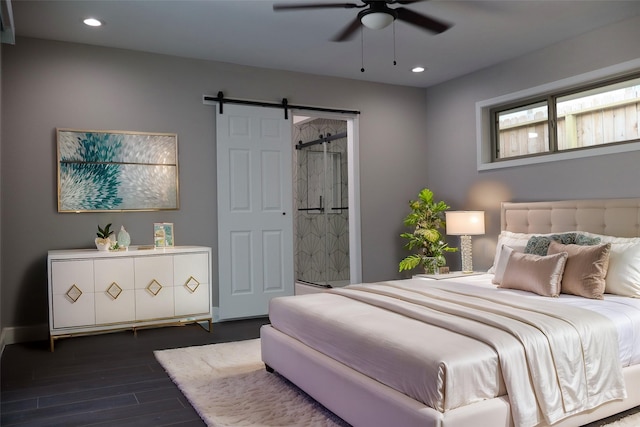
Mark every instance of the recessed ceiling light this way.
pixel 92 22
pixel 417 69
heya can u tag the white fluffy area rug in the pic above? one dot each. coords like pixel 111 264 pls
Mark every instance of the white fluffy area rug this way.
pixel 229 387
pixel 628 421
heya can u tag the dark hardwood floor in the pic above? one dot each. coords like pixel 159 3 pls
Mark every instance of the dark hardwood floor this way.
pixel 104 380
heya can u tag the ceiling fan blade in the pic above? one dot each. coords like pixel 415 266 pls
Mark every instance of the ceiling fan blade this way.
pixel 348 32
pixel 421 21
pixel 286 6
pixel 406 1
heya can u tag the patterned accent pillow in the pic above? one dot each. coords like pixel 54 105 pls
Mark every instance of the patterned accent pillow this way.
pixel 539 245
pixel 583 240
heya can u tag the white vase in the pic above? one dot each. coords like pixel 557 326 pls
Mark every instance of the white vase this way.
pixel 102 244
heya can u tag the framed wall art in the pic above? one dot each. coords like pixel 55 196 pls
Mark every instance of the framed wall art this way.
pixel 117 171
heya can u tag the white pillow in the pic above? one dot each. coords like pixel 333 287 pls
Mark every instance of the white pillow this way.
pixel 623 275
pixel 501 265
pixel 516 241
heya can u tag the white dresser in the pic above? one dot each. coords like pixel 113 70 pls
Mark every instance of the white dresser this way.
pixel 92 291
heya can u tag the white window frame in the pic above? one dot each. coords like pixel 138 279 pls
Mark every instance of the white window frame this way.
pixel 483 121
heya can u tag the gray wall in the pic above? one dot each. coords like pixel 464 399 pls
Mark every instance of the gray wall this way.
pixel 407 143
pixel 53 84
pixel 451 164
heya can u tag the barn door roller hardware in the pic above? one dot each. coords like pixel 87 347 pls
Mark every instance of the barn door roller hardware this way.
pixel 284 104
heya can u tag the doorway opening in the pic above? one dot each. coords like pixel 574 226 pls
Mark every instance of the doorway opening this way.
pixel 326 219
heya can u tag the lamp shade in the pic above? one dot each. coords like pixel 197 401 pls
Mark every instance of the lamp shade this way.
pixel 465 223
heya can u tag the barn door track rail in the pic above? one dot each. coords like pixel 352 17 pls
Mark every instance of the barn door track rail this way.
pixel 284 104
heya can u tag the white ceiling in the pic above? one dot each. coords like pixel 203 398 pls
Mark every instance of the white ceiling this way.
pixel 251 33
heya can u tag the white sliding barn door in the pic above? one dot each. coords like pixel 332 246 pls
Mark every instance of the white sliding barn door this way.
pixel 255 218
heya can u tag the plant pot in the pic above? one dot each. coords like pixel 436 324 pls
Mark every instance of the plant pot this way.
pixel 103 244
pixel 430 265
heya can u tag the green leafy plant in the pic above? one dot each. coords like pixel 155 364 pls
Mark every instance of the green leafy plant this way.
pixel 104 233
pixel 426 219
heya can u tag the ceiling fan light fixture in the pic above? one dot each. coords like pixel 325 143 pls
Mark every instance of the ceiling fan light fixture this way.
pixel 376 20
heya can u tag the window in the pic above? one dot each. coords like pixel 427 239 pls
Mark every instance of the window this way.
pixel 523 130
pixel 585 117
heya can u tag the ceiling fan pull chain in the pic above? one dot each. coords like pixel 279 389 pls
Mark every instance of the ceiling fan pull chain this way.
pixel 394 43
pixel 362 48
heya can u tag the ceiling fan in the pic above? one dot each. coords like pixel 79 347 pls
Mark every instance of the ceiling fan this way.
pixel 376 14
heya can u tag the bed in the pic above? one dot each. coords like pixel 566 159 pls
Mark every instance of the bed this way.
pixel 345 350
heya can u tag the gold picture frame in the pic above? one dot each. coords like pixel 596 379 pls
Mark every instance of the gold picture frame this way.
pixel 117 171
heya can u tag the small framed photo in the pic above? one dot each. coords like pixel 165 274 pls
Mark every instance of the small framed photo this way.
pixel 163 234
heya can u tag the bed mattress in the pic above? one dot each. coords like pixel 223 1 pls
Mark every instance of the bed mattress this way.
pixel 433 366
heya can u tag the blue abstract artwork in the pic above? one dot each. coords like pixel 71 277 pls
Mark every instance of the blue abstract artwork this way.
pixel 109 170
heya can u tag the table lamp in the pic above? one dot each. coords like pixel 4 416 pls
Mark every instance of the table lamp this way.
pixel 465 224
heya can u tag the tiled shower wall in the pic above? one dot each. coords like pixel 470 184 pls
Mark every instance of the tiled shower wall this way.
pixel 313 229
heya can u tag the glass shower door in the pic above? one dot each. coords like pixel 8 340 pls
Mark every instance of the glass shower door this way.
pixel 322 233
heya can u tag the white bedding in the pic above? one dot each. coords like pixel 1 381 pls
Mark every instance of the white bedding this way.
pixel 458 370
pixel 624 312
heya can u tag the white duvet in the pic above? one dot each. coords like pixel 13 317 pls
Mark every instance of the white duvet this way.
pixel 553 359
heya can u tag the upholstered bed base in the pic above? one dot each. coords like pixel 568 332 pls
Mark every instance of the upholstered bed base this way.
pixel 362 401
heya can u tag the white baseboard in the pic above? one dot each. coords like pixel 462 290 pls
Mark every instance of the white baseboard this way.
pixel 17 334
pixel 216 314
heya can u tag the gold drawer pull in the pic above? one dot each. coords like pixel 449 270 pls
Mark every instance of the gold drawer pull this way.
pixel 74 293
pixel 192 284
pixel 154 287
pixel 114 290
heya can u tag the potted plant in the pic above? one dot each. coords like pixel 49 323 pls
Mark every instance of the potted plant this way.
pixel 426 219
pixel 103 241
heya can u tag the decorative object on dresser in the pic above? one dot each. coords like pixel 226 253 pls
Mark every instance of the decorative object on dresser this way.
pixel 124 239
pixel 103 241
pixel 426 219
pixel 465 224
pixel 163 235
pixel 115 170
pixel 93 292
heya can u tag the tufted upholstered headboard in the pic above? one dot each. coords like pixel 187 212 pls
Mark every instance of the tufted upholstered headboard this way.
pixel 613 217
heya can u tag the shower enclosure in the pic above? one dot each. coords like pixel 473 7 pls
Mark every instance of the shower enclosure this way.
pixel 321 202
